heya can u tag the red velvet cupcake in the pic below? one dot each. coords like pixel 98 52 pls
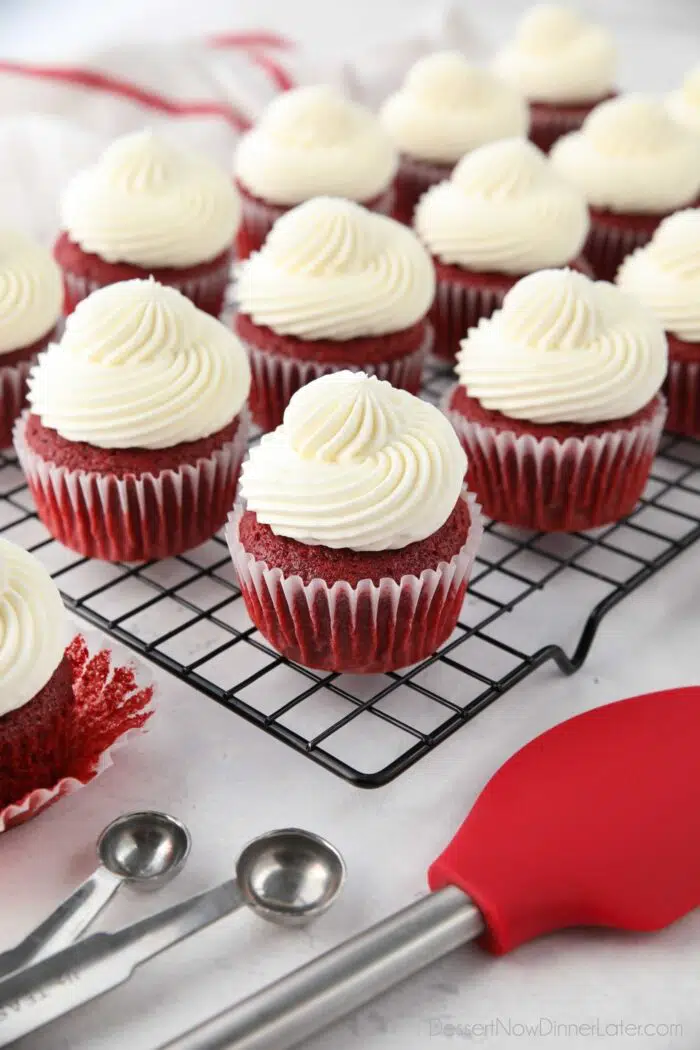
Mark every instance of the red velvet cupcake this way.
pixel 310 142
pixel 137 425
pixel 354 547
pixel 558 405
pixel 504 213
pixel 665 276
pixel 147 208
pixel 635 165
pixel 334 287
pixel 446 107
pixel 562 65
pixel 30 307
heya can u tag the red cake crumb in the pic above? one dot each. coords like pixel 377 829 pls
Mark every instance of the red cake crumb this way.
pixel 412 181
pixel 367 350
pixel 549 121
pixel 26 353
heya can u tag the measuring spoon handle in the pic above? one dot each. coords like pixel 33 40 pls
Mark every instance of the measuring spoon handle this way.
pixel 64 925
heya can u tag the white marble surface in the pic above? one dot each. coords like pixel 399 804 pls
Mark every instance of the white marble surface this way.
pixel 229 781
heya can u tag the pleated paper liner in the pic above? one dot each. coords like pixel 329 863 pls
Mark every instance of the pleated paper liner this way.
pixel 682 387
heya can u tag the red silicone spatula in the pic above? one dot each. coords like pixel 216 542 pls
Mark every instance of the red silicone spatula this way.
pixel 594 823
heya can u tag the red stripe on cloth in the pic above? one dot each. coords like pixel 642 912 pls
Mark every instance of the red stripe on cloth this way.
pixel 123 88
pixel 277 73
pixel 251 39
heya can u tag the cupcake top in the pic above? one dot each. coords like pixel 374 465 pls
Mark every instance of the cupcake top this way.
pixel 313 141
pixel 684 103
pixel 139 366
pixel 356 464
pixel 504 209
pixel 665 274
pixel 32 627
pixel 564 349
pixel 631 156
pixel 330 269
pixel 447 106
pixel 31 291
pixel 149 203
pixel 556 57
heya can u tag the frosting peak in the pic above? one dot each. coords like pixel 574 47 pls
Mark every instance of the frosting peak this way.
pixel 139 366
pixel 356 464
pixel 684 103
pixel 330 269
pixel 447 106
pixel 565 349
pixel 31 292
pixel 32 627
pixel 313 141
pixel 151 204
pixel 631 156
pixel 504 209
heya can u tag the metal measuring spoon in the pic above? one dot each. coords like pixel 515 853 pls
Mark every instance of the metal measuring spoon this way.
pixel 288 877
pixel 145 850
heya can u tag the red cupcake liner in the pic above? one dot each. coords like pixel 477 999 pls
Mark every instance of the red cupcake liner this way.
pixel 366 629
pixel 275 377
pixel 112 705
pixel 550 485
pixel 414 178
pixel 682 388
pixel 259 217
pixel 138 517
pixel 611 240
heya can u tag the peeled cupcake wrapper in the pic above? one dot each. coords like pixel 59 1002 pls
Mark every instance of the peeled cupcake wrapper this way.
pixel 366 629
pixel 275 377
pixel 558 486
pixel 682 388
pixel 134 518
pixel 117 700
pixel 13 394
pixel 457 308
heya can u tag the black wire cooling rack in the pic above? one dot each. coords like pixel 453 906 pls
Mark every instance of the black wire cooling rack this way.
pixel 186 614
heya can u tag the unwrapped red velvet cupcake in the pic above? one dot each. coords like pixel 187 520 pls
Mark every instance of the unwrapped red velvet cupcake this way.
pixel 558 405
pixel 356 538
pixel 137 425
pixel 30 307
pixel 446 107
pixel 684 103
pixel 148 208
pixel 563 66
pixel 502 214
pixel 665 276
pixel 311 142
pixel 635 165
pixel 334 287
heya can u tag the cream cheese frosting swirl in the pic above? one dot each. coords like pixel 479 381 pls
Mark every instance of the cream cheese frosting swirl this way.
pixel 32 627
pixel 330 269
pixel 356 464
pixel 447 106
pixel 684 103
pixel 312 141
pixel 504 209
pixel 565 349
pixel 31 291
pixel 151 204
pixel 556 57
pixel 631 156
pixel 665 274
pixel 139 366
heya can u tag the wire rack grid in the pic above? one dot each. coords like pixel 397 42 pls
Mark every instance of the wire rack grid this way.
pixel 186 614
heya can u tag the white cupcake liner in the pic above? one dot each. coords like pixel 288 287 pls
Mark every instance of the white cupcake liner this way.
pixel 135 518
pixel 13 395
pixel 682 388
pixel 456 309
pixel 200 290
pixel 607 246
pixel 546 484
pixel 364 629
pixel 275 377
pixel 33 803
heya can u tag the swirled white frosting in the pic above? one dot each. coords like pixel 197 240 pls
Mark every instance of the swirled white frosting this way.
pixel 357 464
pixel 31 291
pixel 313 141
pixel 139 366
pixel 32 627
pixel 684 103
pixel 504 209
pixel 447 106
pixel 565 349
pixel 151 204
pixel 631 156
pixel 557 57
pixel 665 274
pixel 330 269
